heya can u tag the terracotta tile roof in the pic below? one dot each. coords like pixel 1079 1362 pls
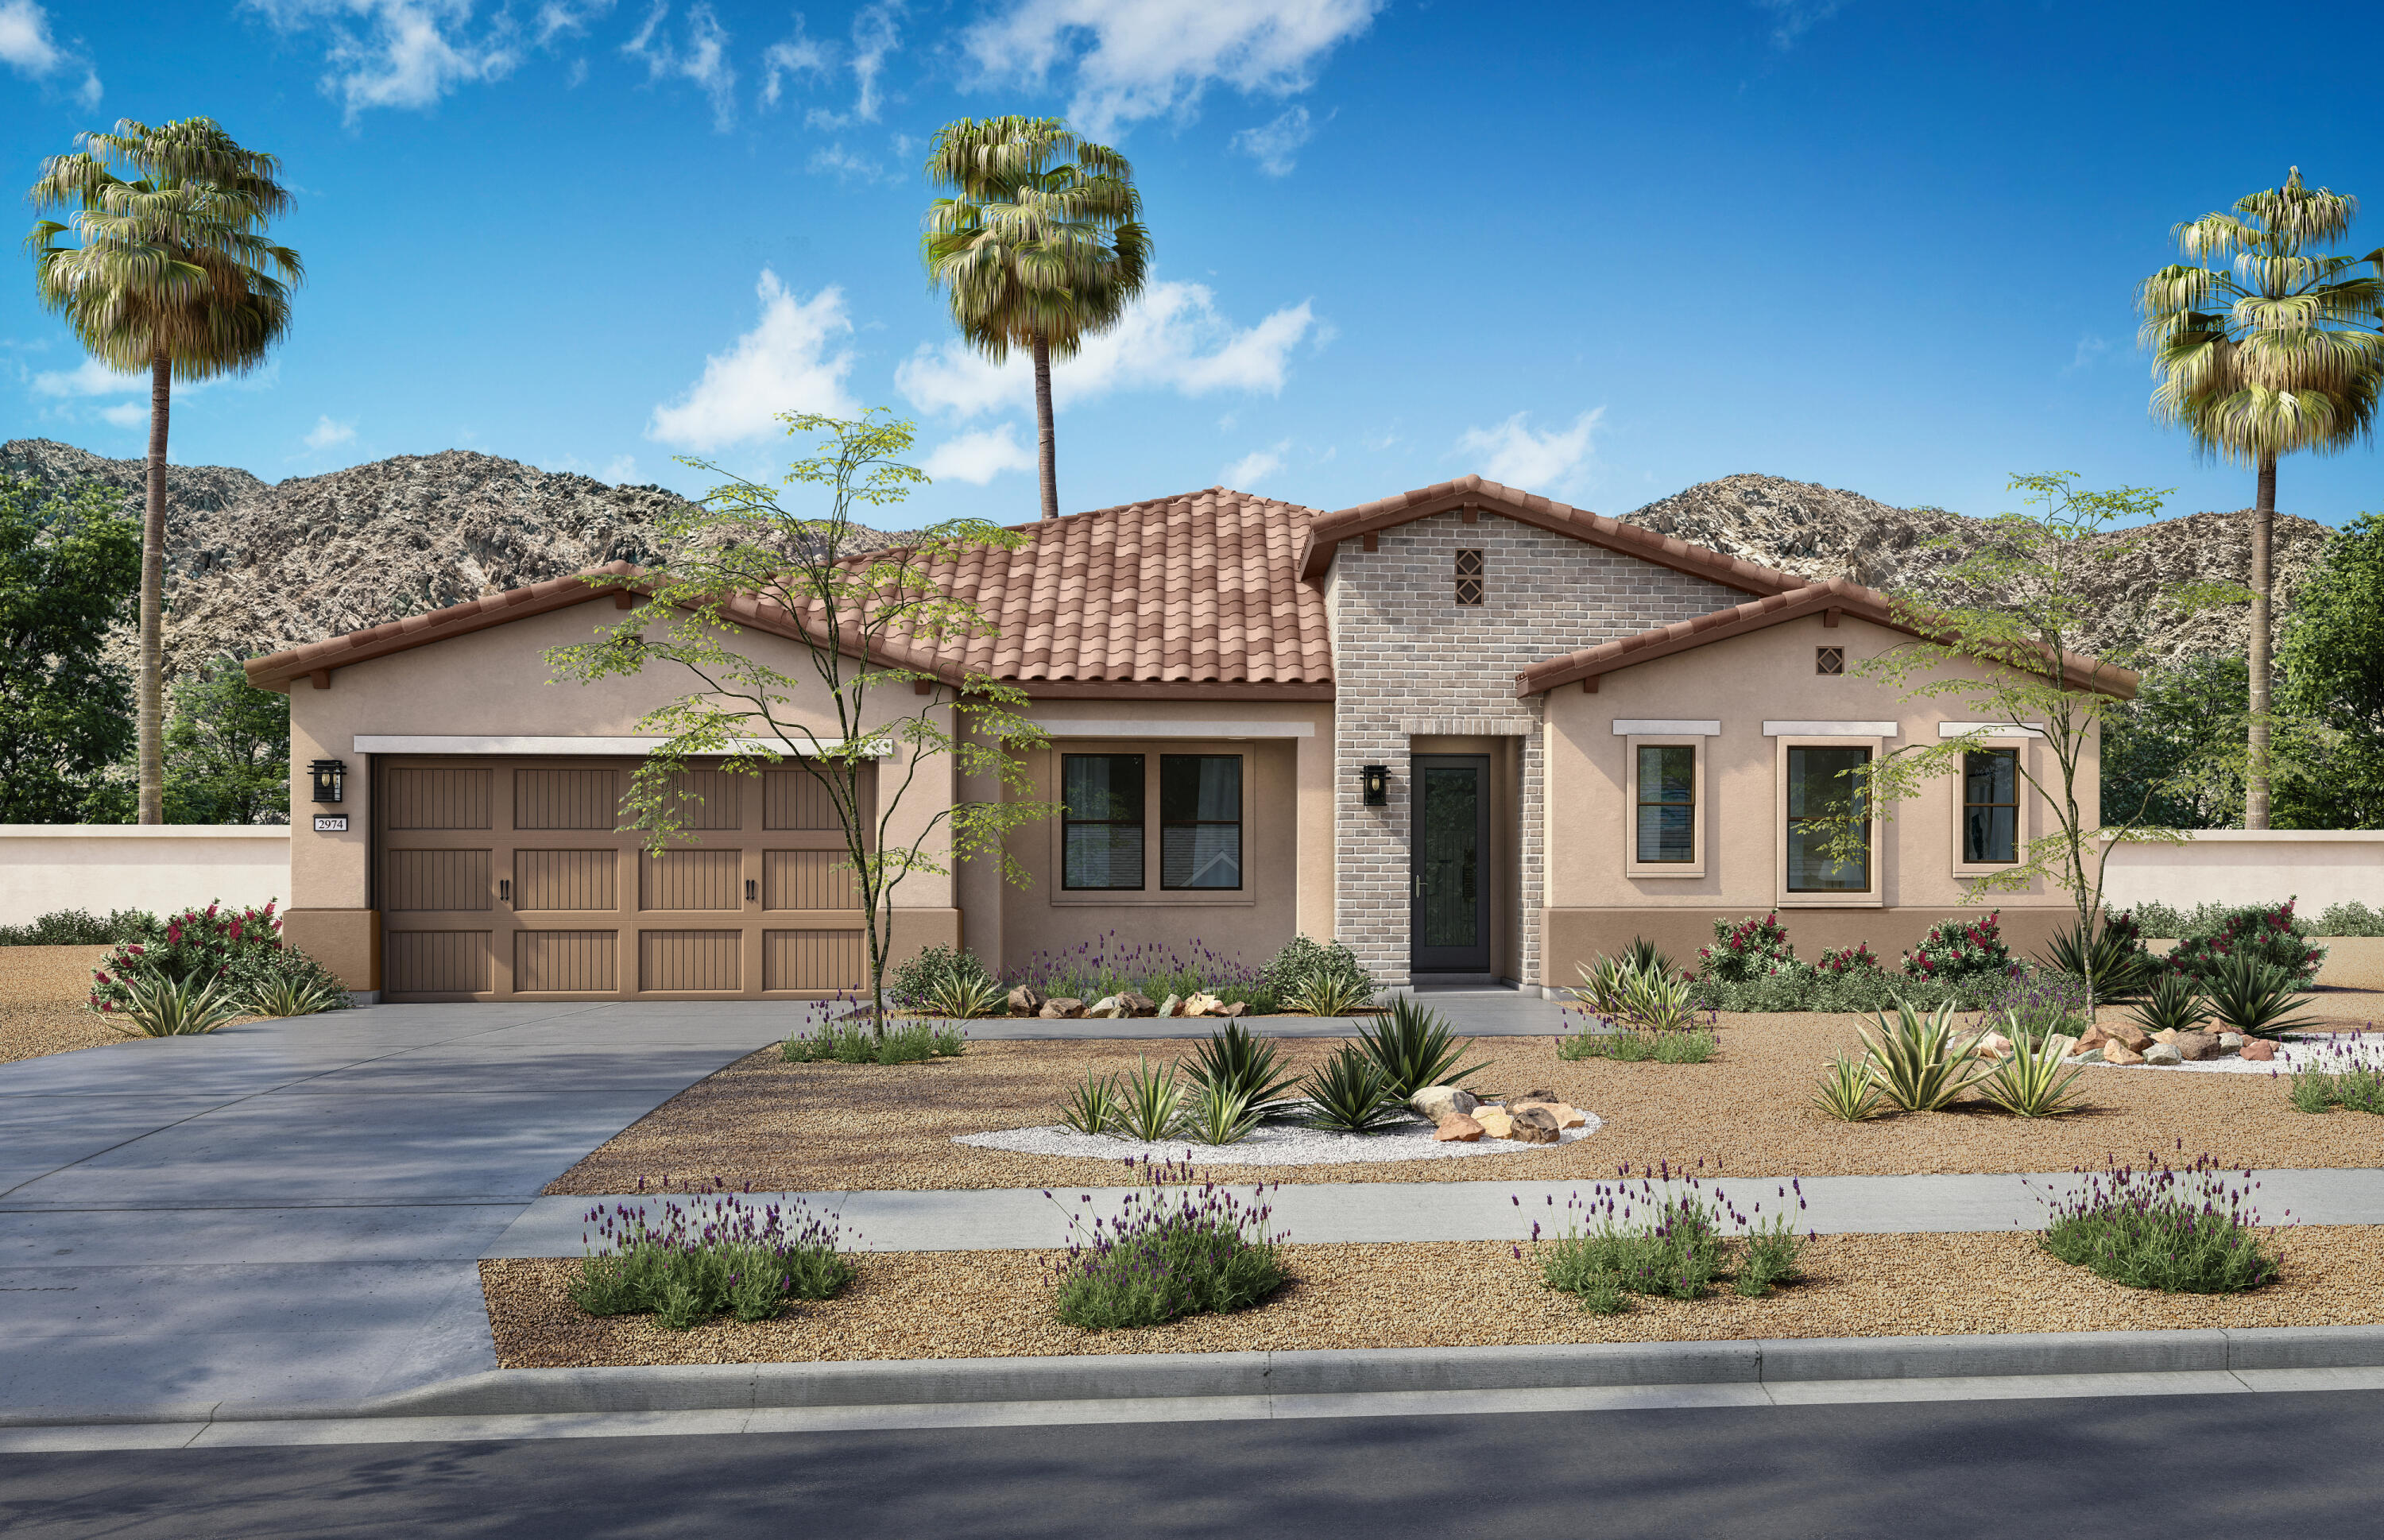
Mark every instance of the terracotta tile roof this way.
pixel 473 615
pixel 2080 671
pixel 1325 530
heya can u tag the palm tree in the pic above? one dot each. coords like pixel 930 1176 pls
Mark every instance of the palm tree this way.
pixel 173 274
pixel 2273 349
pixel 1042 247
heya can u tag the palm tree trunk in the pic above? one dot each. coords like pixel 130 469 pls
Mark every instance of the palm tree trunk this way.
pixel 2264 527
pixel 1048 454
pixel 150 687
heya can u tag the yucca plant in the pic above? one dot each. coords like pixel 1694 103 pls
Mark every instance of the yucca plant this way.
pixel 2255 997
pixel 2122 970
pixel 1235 1063
pixel 1348 1094
pixel 160 1007
pixel 2174 1005
pixel 291 996
pixel 2033 1083
pixel 1150 1103
pixel 1414 1047
pixel 965 996
pixel 1658 1003
pixel 1847 1092
pixel 1643 956
pixel 1324 993
pixel 1218 1115
pixel 1093 1107
pixel 1915 1062
pixel 1602 983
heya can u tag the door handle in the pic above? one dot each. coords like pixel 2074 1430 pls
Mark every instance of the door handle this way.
pixel 1419 885
pixel 505 890
pixel 750 894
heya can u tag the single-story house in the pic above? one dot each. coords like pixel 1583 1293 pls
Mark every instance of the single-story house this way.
pixel 1473 733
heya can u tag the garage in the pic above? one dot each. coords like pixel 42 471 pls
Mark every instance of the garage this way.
pixel 508 878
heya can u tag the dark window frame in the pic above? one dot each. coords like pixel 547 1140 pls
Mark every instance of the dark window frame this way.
pixel 1241 785
pixel 1140 823
pixel 1970 859
pixel 1641 802
pixel 1870 824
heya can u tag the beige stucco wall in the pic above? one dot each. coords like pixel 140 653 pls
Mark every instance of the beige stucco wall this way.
pixel 2319 868
pixel 157 867
pixel 1742 683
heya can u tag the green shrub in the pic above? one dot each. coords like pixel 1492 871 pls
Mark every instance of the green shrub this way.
pixel 1847 1092
pixel 1745 949
pixel 2265 933
pixel 1693 1046
pixel 2028 1007
pixel 1302 959
pixel 2160 922
pixel 2189 1231
pixel 1235 1065
pixel 156 1006
pixel 853 1042
pixel 1801 988
pixel 2350 919
pixel 2123 969
pixel 242 949
pixel 1915 1063
pixel 2174 1005
pixel 2255 997
pixel 1961 948
pixel 2327 1076
pixel 2033 1082
pixel 963 999
pixel 1350 1094
pixel 286 977
pixel 1856 958
pixel 1414 1047
pixel 1325 993
pixel 722 1254
pixel 1173 1249
pixel 937 971
pixel 1678 1250
pixel 81 927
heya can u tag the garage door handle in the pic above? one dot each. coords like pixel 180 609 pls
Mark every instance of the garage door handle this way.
pixel 505 890
pixel 749 890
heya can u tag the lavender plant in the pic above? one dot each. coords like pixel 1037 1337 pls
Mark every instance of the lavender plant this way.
pixel 1109 965
pixel 2032 1006
pixel 853 1043
pixel 1662 1235
pixel 2186 1229
pixel 718 1252
pixel 2343 1073
pixel 1175 1248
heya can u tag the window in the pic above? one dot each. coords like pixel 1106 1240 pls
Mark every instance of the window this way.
pixel 1990 807
pixel 1822 796
pixel 1829 660
pixel 1199 821
pixel 1469 576
pixel 1101 821
pixel 1667 831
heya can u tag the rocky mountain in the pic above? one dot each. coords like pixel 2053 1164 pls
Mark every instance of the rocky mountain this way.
pixel 1820 532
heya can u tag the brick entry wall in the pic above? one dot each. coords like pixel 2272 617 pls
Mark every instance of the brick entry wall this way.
pixel 1408 660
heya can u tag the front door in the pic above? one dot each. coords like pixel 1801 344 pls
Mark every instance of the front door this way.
pixel 1449 927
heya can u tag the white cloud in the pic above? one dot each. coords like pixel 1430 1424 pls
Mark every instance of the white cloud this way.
pixel 1171 338
pixel 557 17
pixel 791 362
pixel 621 470
pixel 793 55
pixel 845 165
pixel 703 59
pixel 91 377
pixel 1511 452
pixel 327 433
pixel 976 458
pixel 131 414
pixel 2090 349
pixel 26 47
pixel 874 36
pixel 1256 467
pixel 401 52
pixel 1274 144
pixel 1145 59
pixel 1796 18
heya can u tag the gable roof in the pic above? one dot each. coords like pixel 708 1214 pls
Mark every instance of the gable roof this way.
pixel 2079 671
pixel 1326 530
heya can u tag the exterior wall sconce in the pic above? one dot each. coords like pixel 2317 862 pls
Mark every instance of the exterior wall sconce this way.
pixel 1377 781
pixel 331 780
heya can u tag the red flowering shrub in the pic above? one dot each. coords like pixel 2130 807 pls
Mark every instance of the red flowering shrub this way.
pixel 214 942
pixel 1747 949
pixel 1961 948
pixel 2264 931
pixel 1856 958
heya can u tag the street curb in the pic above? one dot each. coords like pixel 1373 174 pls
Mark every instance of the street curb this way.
pixel 1330 1371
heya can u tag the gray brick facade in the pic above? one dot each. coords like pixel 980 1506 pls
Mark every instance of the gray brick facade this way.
pixel 1410 661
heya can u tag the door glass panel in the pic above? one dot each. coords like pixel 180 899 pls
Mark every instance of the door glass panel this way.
pixel 1451 857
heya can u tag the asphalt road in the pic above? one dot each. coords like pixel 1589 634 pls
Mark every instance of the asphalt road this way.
pixel 2309 1466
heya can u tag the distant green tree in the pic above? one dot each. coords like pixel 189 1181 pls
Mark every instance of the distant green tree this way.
pixel 2178 751
pixel 2333 666
pixel 69 566
pixel 227 750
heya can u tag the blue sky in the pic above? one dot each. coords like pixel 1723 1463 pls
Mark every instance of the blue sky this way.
pixel 1602 252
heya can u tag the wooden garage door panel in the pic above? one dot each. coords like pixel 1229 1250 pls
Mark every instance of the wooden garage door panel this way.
pixel 673 960
pixel 451 880
pixel 793 798
pixel 438 962
pixel 811 960
pixel 710 799
pixel 577 960
pixel 427 797
pixel 691 879
pixel 567 880
pixel 809 879
pixel 574 798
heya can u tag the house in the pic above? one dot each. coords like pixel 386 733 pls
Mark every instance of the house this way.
pixel 1474 733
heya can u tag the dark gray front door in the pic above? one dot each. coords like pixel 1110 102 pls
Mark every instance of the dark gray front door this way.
pixel 1450 923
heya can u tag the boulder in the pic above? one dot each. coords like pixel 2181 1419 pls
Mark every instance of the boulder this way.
pixel 1025 1001
pixel 2088 1056
pixel 2259 1050
pixel 1569 1116
pixel 1172 1006
pixel 1203 1005
pixel 1437 1101
pixel 1497 1121
pixel 1533 1124
pixel 1137 1005
pixel 2230 1042
pixel 1456 1128
pixel 2193 1046
pixel 2063 1041
pixel 1520 1098
pixel 2118 1053
pixel 2164 1055
pixel 1065 1008
pixel 2136 1039
pixel 2166 1035
pixel 1107 1007
pixel 1235 1008
pixel 1992 1045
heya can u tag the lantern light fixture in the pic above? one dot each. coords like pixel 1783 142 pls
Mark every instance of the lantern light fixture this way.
pixel 331 780
pixel 1375 779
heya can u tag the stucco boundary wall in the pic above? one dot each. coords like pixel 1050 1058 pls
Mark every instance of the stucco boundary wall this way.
pixel 2318 867
pixel 157 867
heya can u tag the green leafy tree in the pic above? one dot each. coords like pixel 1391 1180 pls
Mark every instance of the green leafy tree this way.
pixel 1996 637
pixel 2269 348
pixel 2179 750
pixel 164 269
pixel 227 750
pixel 869 626
pixel 68 564
pixel 1041 246
pixel 2333 666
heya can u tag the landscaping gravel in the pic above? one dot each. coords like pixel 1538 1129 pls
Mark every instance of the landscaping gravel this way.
pixel 2330 1051
pixel 995 1304
pixel 1272 1144
pixel 41 995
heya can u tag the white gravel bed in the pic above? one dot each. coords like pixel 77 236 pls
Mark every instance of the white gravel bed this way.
pixel 2340 1051
pixel 1272 1144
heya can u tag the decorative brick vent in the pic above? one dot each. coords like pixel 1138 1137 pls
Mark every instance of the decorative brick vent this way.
pixel 1829 660
pixel 1469 576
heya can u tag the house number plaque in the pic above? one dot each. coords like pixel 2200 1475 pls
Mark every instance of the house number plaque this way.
pixel 331 822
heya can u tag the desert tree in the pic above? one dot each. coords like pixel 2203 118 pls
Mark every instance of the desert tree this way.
pixel 875 632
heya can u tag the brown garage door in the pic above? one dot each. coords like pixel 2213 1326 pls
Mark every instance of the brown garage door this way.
pixel 500 878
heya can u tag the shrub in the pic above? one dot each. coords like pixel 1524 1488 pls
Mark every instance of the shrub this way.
pixel 1414 1047
pixel 1747 949
pixel 2029 1007
pixel 2338 1075
pixel 937 972
pixel 155 1006
pixel 963 999
pixel 2123 969
pixel 1325 993
pixel 1172 1251
pixel 1235 1065
pixel 1218 1116
pixel 1803 989
pixel 2350 919
pixel 852 1043
pixel 2255 997
pixel 1847 1092
pixel 81 927
pixel 243 950
pixel 1150 1103
pixel 722 1254
pixel 1915 1062
pixel 1685 1048
pixel 1350 1094
pixel 284 975
pixel 1678 1250
pixel 1649 958
pixel 1111 966
pixel 2174 1005
pixel 1302 961
pixel 2160 922
pixel 1093 1107
pixel 2266 933
pixel 1632 1048
pixel 2033 1083
pixel 2188 1231
pixel 1840 960
pixel 1961 948
pixel 283 996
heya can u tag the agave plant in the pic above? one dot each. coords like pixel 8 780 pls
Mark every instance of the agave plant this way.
pixel 160 1007
pixel 292 997
pixel 1093 1107
pixel 1847 1092
pixel 2122 969
pixel 1150 1103
pixel 2255 997
pixel 1324 993
pixel 1413 1048
pixel 1602 983
pixel 1217 1114
pixel 1644 956
pixel 964 997
pixel 1658 1003
pixel 1348 1094
pixel 1235 1063
pixel 1915 1063
pixel 2174 1005
pixel 2033 1083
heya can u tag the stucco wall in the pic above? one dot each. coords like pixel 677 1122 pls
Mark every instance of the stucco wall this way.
pixel 2234 866
pixel 160 868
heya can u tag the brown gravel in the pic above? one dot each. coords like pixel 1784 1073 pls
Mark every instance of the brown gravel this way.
pixel 828 1127
pixel 997 1304
pixel 42 991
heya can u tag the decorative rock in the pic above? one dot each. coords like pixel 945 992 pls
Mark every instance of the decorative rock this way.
pixel 1992 1045
pixel 2196 1046
pixel 1495 1122
pixel 1569 1117
pixel 1203 1005
pixel 1456 1128
pixel 1105 1007
pixel 1533 1124
pixel 1137 1005
pixel 1235 1008
pixel 2092 1056
pixel 2118 1053
pixel 2164 1055
pixel 1065 1008
pixel 2063 1041
pixel 2135 1037
pixel 2092 1038
pixel 2166 1035
pixel 1520 1098
pixel 1025 1001
pixel 2259 1050
pixel 1437 1101
pixel 1172 1006
pixel 2230 1042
